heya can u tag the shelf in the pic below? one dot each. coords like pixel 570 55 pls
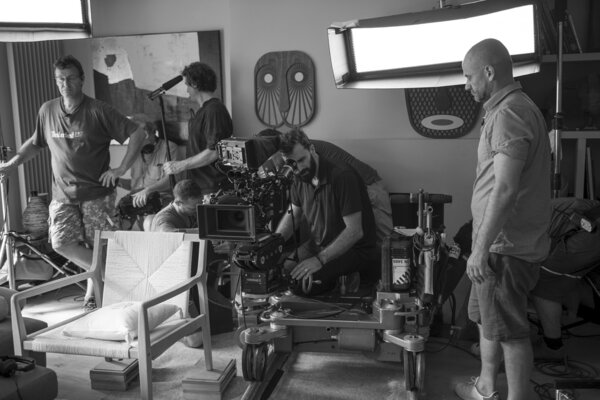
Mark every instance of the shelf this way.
pixel 572 57
pixel 591 134
pixel 580 151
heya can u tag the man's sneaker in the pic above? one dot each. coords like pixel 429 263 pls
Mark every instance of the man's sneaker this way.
pixel 468 391
pixel 89 304
pixel 541 352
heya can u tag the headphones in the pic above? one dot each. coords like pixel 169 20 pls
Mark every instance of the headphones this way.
pixel 9 365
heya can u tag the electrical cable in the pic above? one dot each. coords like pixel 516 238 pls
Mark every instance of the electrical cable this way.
pixel 568 369
pixel 456 346
pixel 339 310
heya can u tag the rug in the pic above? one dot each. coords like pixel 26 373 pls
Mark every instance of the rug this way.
pixel 169 369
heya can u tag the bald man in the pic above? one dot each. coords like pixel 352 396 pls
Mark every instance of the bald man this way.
pixel 511 215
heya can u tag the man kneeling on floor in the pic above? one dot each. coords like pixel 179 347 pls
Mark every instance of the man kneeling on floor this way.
pixel 178 216
pixel 336 205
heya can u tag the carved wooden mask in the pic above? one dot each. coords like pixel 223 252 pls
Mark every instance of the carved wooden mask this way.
pixel 284 89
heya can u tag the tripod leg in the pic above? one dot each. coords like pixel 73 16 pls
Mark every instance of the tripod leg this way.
pixel 10 266
pixel 7 240
pixel 2 250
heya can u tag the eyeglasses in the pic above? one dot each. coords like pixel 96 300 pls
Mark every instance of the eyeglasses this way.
pixel 67 79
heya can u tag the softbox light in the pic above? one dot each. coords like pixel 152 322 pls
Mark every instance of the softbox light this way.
pixel 425 49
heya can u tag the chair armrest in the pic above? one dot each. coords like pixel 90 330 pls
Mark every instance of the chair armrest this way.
pixel 48 287
pixel 143 334
pixel 172 292
pixel 18 324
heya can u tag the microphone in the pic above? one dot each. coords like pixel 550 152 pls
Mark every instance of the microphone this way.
pixel 165 86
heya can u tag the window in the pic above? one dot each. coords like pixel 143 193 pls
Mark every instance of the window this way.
pixel 31 20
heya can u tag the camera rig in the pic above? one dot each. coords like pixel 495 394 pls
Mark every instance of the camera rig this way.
pixel 245 213
pixel 391 323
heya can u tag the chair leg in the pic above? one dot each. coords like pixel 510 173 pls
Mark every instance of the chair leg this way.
pixel 207 345
pixel 204 309
pixel 145 368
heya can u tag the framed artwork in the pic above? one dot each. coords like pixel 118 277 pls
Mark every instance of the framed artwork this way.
pixel 128 68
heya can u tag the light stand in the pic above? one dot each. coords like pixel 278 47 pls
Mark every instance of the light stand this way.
pixel 557 121
pixel 159 93
pixel 6 249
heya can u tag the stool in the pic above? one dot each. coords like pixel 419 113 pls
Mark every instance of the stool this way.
pixel 38 384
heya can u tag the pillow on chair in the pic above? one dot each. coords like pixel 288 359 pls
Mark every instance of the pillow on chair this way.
pixel 118 321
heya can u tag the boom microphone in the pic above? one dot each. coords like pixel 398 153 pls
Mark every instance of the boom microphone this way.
pixel 165 86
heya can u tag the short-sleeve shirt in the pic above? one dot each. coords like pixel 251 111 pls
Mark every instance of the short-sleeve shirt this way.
pixel 207 127
pixel 514 126
pixel 169 220
pixel 79 145
pixel 340 193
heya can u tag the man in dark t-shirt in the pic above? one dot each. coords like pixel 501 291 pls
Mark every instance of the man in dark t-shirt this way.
pixel 78 130
pixel 336 205
pixel 206 128
pixel 378 194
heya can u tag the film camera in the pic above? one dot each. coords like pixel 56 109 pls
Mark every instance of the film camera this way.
pixel 246 213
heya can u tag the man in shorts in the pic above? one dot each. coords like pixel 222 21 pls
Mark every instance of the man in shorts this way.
pixel 78 130
pixel 511 216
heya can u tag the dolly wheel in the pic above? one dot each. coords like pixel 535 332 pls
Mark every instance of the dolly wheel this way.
pixel 248 362
pixel 414 373
pixel 259 365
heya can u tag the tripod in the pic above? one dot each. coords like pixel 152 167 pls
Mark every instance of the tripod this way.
pixel 6 249
pixel 11 238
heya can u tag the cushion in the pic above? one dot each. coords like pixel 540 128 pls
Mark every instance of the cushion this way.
pixel 118 321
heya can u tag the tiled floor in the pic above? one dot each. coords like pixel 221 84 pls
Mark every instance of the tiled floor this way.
pixel 354 376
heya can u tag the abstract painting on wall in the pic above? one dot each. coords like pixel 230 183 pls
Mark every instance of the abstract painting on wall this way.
pixel 128 68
